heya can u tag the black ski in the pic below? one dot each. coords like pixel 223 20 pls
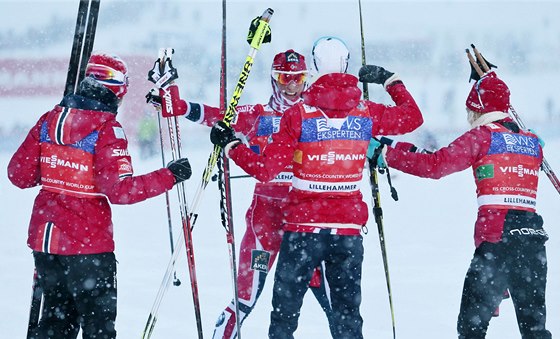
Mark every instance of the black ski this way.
pixel 35 309
pixel 84 36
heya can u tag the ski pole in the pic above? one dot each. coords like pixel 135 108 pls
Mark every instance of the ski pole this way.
pixel 241 176
pixel 485 68
pixel 175 143
pixel 176 280
pixel 231 108
pixel 545 166
pixel 374 184
pixel 224 182
pixel 175 137
pixel 255 45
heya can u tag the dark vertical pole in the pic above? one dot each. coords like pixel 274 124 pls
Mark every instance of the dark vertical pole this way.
pixel 374 183
pixel 224 180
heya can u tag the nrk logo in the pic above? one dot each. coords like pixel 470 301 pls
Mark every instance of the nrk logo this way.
pixel 53 161
pixel 331 157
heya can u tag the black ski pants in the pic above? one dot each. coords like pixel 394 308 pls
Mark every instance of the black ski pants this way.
pixel 321 293
pixel 299 254
pixel 517 263
pixel 78 291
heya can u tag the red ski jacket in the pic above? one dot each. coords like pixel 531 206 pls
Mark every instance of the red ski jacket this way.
pixel 80 158
pixel 505 169
pixel 335 95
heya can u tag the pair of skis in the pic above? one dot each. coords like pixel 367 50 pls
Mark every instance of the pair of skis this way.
pixel 215 157
pixel 84 37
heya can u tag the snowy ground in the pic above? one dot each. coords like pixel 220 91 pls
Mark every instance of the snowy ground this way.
pixel 428 231
pixel 428 235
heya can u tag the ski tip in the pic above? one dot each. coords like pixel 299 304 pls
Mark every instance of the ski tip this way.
pixel 472 45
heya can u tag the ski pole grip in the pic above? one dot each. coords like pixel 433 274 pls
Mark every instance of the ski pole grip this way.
pixel 256 42
pixel 267 14
pixel 473 63
pixel 479 57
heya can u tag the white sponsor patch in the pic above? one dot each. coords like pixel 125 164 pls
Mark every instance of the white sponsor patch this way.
pixel 320 186
pixel 120 153
pixel 119 133
pixel 330 157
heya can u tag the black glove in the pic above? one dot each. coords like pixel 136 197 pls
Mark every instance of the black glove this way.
pixel 181 169
pixel 222 134
pixel 253 29
pixel 153 98
pixel 374 74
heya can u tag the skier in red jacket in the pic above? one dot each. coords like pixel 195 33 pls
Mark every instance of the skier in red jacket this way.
pixel 325 139
pixel 78 153
pixel 509 235
pixel 261 241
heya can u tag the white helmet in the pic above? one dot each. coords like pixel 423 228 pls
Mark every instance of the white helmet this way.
pixel 330 55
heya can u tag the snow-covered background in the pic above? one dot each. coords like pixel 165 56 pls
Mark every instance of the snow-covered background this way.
pixel 428 231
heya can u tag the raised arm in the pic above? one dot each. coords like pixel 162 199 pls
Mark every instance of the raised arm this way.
pixel 462 153
pixel 402 118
